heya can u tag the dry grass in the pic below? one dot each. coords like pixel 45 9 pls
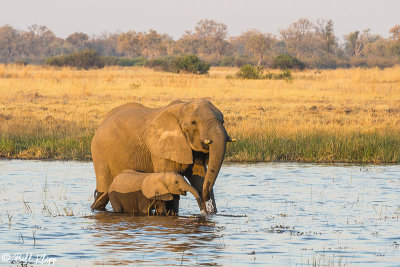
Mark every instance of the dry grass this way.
pixel 335 115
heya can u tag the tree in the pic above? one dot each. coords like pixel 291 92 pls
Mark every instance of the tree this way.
pixel 79 40
pixel 395 37
pixel 43 39
pixel 379 48
pixel 128 43
pixel 209 28
pixel 256 44
pixel 211 37
pixel 395 33
pixel 8 43
pixel 188 44
pixel 106 44
pixel 356 42
pixel 353 45
pixel 326 30
pixel 312 42
pixel 37 42
pixel 395 49
pixel 151 44
pixel 297 35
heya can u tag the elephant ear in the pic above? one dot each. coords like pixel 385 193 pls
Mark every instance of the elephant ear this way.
pixel 166 140
pixel 153 187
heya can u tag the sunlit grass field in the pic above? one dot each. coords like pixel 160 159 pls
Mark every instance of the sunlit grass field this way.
pixel 344 115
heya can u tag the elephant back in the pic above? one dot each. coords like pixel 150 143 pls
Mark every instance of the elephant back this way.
pixel 127 181
pixel 123 108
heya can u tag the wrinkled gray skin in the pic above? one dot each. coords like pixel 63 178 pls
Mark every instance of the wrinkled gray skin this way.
pixel 141 193
pixel 184 137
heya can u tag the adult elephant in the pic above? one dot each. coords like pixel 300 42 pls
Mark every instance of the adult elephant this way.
pixel 184 137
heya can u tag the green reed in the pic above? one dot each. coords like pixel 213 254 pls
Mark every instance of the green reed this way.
pixel 72 142
pixel 317 147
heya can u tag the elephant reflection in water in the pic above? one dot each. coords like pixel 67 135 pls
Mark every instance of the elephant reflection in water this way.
pixel 188 138
pixel 129 237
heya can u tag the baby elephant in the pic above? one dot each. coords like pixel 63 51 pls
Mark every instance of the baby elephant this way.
pixel 139 193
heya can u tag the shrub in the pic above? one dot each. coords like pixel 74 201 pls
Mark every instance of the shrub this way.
pixel 226 61
pixel 181 64
pixel 82 60
pixel 325 62
pixel 250 72
pixel 286 61
pixel 160 64
pixel 395 49
pixel 381 62
pixel 190 64
pixel 236 61
pixel 20 62
pixel 124 62
pixel 358 62
pixel 284 75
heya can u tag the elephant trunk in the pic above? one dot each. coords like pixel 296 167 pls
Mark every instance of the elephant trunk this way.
pixel 216 157
pixel 196 194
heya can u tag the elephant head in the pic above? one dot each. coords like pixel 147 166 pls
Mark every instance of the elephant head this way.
pixel 183 127
pixel 161 186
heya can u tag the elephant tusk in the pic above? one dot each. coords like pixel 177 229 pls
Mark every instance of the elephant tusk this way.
pixel 232 140
pixel 207 141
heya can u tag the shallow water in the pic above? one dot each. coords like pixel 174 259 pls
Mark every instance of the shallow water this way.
pixel 276 214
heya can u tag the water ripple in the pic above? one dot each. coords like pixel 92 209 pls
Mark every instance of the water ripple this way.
pixel 274 214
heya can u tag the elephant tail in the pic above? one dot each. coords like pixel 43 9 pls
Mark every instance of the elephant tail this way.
pixel 100 201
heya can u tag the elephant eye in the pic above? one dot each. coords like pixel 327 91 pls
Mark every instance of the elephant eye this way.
pixel 176 182
pixel 194 122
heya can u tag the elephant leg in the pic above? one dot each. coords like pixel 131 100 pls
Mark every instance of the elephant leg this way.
pixel 100 200
pixel 115 202
pixel 196 179
pixel 160 208
pixel 164 165
pixel 173 205
pixel 103 182
pixel 214 205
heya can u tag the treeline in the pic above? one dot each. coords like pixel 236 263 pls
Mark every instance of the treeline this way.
pixel 88 59
pixel 313 43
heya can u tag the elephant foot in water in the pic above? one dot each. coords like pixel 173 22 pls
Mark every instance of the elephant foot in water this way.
pixel 100 201
pixel 172 206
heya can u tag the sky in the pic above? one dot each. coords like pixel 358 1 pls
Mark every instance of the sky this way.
pixel 174 17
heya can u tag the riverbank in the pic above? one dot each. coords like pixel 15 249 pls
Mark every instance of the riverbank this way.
pixel 350 115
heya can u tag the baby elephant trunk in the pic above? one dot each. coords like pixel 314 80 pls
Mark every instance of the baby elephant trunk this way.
pixel 194 192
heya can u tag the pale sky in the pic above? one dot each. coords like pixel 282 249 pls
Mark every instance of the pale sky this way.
pixel 175 16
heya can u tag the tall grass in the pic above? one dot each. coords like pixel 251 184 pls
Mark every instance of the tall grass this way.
pixel 330 116
pixel 40 140
pixel 317 147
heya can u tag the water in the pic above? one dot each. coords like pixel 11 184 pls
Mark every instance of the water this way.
pixel 276 214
